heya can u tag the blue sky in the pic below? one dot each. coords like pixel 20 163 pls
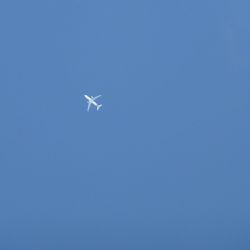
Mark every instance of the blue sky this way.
pixel 165 164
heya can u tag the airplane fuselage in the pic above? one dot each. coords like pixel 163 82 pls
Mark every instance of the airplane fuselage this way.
pixel 91 100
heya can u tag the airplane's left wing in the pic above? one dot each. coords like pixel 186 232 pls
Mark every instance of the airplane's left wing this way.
pixel 94 98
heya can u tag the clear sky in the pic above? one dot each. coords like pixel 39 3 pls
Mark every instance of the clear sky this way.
pixel 165 164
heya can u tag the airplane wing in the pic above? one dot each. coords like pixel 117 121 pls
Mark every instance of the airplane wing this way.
pixel 89 104
pixel 94 98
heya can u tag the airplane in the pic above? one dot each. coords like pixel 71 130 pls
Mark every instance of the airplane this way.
pixel 91 100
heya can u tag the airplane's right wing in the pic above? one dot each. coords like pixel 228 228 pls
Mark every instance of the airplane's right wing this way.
pixel 89 104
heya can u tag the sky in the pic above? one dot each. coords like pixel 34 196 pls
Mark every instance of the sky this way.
pixel 164 164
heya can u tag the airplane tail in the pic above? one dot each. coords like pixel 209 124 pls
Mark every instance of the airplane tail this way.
pixel 98 106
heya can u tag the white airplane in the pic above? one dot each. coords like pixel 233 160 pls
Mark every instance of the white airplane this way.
pixel 91 100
